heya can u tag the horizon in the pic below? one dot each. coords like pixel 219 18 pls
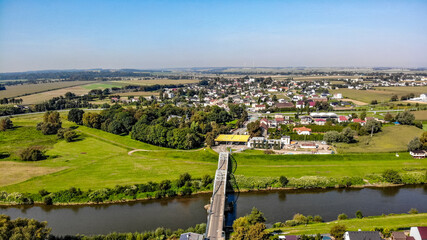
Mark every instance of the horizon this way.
pixel 55 35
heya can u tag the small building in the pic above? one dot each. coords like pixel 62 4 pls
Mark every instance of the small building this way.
pixel 259 107
pixel 400 236
pixel 418 154
pixel 358 120
pixel 233 139
pixel 320 121
pixel 362 235
pixel 302 130
pixel 419 233
pixel 342 119
pixel 191 236
pixel 310 145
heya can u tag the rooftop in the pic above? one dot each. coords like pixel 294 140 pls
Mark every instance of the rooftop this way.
pixel 232 138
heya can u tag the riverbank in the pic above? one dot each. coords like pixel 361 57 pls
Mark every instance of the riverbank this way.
pixel 390 222
pixel 152 195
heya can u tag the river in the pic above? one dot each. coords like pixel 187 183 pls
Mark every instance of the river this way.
pixel 184 212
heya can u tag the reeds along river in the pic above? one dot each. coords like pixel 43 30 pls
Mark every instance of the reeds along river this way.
pixel 186 212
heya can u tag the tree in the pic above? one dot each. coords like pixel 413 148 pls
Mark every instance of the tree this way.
pixel 342 216
pixel 165 185
pixel 256 216
pixel 363 115
pixel 254 129
pixel 183 179
pixel 359 214
pixel 423 140
pixel 318 218
pixel 51 123
pixel 70 136
pixel 405 118
pixel 332 136
pixel 283 181
pixel 394 98
pixel 415 144
pixel 23 228
pixel 347 135
pixel 388 117
pixel 374 102
pixel 5 123
pixel 372 126
pixel 210 139
pixel 337 231
pixel 392 176
pixel 257 232
pixel 76 115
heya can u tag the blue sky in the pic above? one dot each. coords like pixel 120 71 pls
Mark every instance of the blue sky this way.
pixel 84 34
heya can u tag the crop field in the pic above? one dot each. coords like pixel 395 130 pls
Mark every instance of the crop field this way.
pixel 136 94
pixel 99 159
pixel 26 89
pixel 420 115
pixel 365 224
pixel 101 85
pixel 381 94
pixel 391 139
pixel 44 96
pixel 157 81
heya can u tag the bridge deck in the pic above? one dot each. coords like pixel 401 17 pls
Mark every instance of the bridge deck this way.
pixel 216 214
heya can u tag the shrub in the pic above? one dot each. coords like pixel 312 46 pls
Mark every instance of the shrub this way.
pixel 300 219
pixel 413 211
pixel 359 214
pixel 342 216
pixel 283 181
pixel 392 176
pixel 5 123
pixel 48 200
pixel 318 218
pixel 268 151
pixel 43 192
pixel 312 182
pixel 32 153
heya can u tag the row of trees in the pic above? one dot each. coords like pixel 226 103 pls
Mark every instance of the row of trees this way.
pixel 418 143
pixel 11 101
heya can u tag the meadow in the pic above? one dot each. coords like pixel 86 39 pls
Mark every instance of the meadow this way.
pixel 393 221
pixel 99 159
pixel 384 141
pixel 381 94
pixel 26 89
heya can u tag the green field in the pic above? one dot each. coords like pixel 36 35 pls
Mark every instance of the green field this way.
pixel 100 159
pixel 26 89
pixel 391 139
pixel 102 85
pixel 381 94
pixel 365 224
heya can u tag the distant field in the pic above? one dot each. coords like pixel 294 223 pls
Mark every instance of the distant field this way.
pixel 44 96
pixel 137 94
pixel 391 139
pixel 364 224
pixel 420 115
pixel 20 90
pixel 307 78
pixel 157 81
pixel 381 94
pixel 101 85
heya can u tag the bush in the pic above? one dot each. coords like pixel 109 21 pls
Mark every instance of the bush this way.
pixel 312 182
pixel 5 123
pixel 342 216
pixel 43 192
pixel 32 153
pixel 359 214
pixel 392 176
pixel 317 218
pixel 283 181
pixel 300 219
pixel 47 200
pixel 413 211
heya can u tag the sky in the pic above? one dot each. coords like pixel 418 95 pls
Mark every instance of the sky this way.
pixel 85 34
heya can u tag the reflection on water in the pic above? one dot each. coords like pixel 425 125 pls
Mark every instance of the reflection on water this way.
pixel 184 212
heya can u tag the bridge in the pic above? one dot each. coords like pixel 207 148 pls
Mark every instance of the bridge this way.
pixel 222 212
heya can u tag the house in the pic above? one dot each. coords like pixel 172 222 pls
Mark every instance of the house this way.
pixel 289 237
pixel 300 104
pixel 362 235
pixel 302 131
pixel 337 96
pixel 191 236
pixel 400 236
pixel 419 233
pixel 320 121
pixel 342 119
pixel 305 120
pixel 259 107
pixel 418 154
pixel 358 120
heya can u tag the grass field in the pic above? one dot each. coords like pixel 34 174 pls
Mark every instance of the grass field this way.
pixel 20 90
pixel 101 85
pixel 157 81
pixel 381 94
pixel 398 221
pixel 100 159
pixel 391 139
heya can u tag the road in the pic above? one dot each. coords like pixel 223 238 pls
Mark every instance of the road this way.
pixel 216 211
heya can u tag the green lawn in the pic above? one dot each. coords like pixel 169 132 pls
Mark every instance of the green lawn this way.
pixel 100 159
pixel 391 139
pixel 365 224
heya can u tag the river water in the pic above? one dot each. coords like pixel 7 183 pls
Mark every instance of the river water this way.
pixel 189 211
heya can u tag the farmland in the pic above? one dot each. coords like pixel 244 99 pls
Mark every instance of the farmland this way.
pixel 100 159
pixel 44 96
pixel 26 89
pixel 157 81
pixel 101 85
pixel 381 94
pixel 385 141
pixel 394 221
